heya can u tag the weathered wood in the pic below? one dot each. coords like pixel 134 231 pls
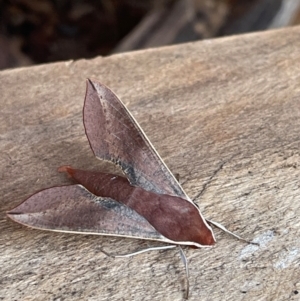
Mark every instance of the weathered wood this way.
pixel 224 114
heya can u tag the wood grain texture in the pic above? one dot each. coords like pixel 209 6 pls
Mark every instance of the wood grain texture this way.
pixel 223 113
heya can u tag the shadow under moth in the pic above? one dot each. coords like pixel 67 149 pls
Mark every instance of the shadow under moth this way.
pixel 148 203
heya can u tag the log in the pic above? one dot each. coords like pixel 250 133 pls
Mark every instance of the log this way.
pixel 224 114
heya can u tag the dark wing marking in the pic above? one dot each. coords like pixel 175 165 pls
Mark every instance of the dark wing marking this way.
pixel 114 135
pixel 75 209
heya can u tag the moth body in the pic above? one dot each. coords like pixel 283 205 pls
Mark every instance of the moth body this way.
pixel 175 218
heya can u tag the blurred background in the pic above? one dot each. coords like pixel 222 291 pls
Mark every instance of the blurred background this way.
pixel 42 31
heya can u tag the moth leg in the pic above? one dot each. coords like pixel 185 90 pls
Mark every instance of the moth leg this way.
pixel 137 252
pixel 220 226
pixel 182 255
pixel 185 262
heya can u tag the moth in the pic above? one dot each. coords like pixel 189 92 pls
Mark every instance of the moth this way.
pixel 148 203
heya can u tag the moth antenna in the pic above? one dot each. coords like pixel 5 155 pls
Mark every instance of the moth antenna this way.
pixel 185 262
pixel 138 252
pixel 223 228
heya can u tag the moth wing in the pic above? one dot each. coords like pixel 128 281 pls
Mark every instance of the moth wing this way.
pixel 74 209
pixel 114 135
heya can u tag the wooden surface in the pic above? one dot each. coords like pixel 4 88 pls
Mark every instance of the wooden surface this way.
pixel 225 116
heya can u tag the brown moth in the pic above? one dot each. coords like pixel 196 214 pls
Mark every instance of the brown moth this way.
pixel 148 203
